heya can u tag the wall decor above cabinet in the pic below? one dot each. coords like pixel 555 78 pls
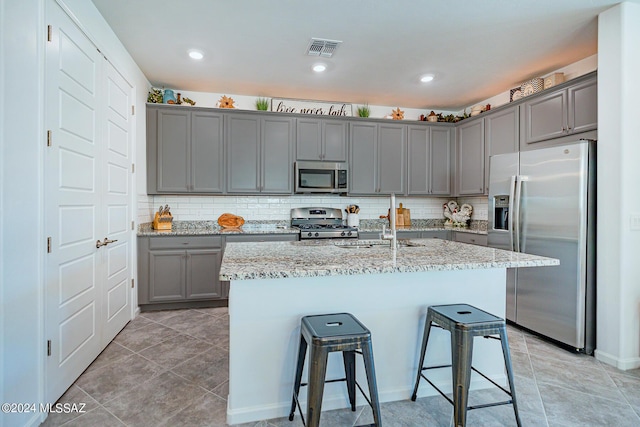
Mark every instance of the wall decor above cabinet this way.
pixel 319 108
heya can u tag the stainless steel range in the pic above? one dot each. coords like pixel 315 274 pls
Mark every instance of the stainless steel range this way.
pixel 321 223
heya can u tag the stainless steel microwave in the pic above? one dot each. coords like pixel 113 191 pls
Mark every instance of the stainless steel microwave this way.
pixel 321 177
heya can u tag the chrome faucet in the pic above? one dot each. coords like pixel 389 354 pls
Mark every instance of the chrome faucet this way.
pixel 391 236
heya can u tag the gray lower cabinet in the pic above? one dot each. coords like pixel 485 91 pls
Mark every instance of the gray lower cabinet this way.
pixel 569 110
pixel 321 139
pixel 470 157
pixel 177 269
pixel 259 154
pixel 429 160
pixel 378 158
pixel 501 135
pixel 184 151
pixel 472 238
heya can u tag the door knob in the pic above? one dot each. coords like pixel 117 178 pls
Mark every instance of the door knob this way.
pixel 105 242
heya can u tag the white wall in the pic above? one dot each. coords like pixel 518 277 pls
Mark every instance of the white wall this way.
pixel 618 276
pixel 261 208
pixel 21 193
pixel 571 71
pixel 245 102
pixel 22 240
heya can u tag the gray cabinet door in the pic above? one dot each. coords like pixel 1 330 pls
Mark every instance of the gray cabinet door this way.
pixel 502 135
pixel 172 149
pixel 392 158
pixel 167 276
pixel 439 165
pixel 429 160
pixel 321 139
pixel 243 153
pixel 583 106
pixel 418 150
pixel 203 271
pixel 470 164
pixel 308 139
pixel 363 158
pixel 334 138
pixel 207 160
pixel 277 156
pixel 544 117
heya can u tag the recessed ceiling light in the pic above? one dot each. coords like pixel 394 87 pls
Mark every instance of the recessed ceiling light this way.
pixel 318 68
pixel 196 54
pixel 426 78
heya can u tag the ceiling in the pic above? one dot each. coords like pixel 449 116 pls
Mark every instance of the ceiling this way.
pixel 475 49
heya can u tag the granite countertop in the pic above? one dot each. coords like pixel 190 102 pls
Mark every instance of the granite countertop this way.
pixel 309 258
pixel 475 227
pixel 198 228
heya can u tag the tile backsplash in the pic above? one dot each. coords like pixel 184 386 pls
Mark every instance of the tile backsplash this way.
pixel 251 208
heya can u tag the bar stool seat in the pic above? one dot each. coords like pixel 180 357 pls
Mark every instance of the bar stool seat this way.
pixel 327 333
pixel 465 322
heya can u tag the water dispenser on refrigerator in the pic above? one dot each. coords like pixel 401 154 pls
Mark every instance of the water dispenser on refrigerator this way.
pixel 501 212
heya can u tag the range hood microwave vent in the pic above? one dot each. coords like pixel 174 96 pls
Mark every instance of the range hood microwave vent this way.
pixel 322 47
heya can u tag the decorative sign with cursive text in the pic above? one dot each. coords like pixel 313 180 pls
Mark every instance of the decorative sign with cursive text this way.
pixel 319 108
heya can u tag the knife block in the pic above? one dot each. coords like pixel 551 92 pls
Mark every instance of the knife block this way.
pixel 162 222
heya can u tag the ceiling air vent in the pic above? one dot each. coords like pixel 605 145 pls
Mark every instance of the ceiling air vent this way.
pixel 322 47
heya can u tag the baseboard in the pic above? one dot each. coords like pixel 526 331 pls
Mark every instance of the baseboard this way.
pixel 279 410
pixel 622 364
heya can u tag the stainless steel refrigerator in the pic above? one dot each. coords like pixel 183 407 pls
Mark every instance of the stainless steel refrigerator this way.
pixel 542 202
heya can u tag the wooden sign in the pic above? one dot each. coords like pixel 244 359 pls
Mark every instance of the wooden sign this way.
pixel 319 108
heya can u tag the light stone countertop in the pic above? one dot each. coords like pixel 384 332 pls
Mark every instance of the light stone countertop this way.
pixel 200 228
pixel 270 260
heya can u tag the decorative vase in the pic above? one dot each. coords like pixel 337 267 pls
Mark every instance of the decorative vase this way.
pixel 168 97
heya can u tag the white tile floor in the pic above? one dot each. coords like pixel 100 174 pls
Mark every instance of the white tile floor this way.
pixel 170 368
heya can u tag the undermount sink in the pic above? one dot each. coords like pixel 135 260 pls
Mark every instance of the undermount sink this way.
pixel 367 244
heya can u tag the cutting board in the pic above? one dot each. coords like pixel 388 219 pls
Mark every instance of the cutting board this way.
pixel 403 216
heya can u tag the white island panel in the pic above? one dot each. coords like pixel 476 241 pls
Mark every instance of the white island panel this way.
pixel 265 332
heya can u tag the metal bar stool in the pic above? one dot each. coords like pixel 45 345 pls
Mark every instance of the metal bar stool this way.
pixel 465 322
pixel 326 333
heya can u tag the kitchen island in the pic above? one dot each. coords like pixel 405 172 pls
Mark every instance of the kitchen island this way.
pixel 274 284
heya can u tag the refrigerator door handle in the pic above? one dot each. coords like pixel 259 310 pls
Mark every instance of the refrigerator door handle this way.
pixel 512 213
pixel 518 200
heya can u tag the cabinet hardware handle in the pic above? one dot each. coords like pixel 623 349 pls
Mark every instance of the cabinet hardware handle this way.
pixel 106 241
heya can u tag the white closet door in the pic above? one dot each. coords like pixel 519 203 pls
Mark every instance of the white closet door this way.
pixel 87 198
pixel 116 169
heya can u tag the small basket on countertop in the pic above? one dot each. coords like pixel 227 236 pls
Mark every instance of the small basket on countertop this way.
pixel 163 219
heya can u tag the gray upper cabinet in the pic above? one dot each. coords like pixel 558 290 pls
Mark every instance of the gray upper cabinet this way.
pixel 321 139
pixel 568 110
pixel 470 157
pixel 384 147
pixel 207 155
pixel 583 106
pixel 429 160
pixel 501 135
pixel 260 154
pixel 184 151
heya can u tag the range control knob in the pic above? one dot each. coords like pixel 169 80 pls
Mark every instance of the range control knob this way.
pixel 309 234
pixel 342 234
pixel 349 233
pixel 316 234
